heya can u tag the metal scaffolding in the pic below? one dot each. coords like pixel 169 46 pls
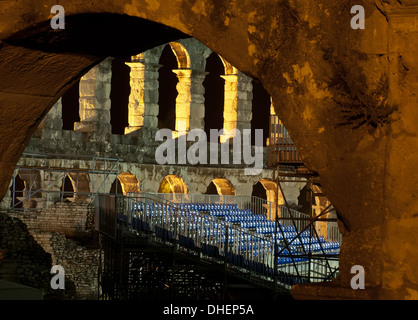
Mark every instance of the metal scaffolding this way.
pixel 42 176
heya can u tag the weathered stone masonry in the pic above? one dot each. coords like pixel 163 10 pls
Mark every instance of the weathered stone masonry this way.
pixel 65 229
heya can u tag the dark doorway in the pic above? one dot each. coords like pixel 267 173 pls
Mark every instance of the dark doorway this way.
pixel 211 189
pixel 167 90
pixel 116 187
pixel 259 191
pixel 67 189
pixel 214 86
pixel 16 190
pixel 70 107
pixel 260 111
pixel 119 94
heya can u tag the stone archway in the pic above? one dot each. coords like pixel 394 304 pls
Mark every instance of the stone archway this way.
pixel 183 87
pixel 221 186
pixel 348 93
pixel 267 189
pixel 173 184
pixel 125 183
pixel 81 185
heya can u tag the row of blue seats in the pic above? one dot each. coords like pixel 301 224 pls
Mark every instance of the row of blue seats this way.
pixel 219 210
pixel 189 206
pixel 303 239
pixel 227 210
pixel 210 206
pixel 213 251
pixel 262 227
pixel 230 212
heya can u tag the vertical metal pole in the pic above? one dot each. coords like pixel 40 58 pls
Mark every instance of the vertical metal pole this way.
pixel 76 187
pixel 49 188
pixel 310 227
pixel 276 219
pixel 99 271
pixel 92 177
pixel 226 245
pixel 14 191
pixel 62 188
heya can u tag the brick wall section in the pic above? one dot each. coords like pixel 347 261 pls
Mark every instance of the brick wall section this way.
pixel 70 218
pixel 24 261
pixel 65 232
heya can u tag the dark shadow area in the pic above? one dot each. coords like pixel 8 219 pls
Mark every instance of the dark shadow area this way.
pixel 100 34
pixel 67 189
pixel 167 90
pixel 259 191
pixel 214 93
pixel 260 111
pixel 116 187
pixel 211 189
pixel 17 192
pixel 119 94
pixel 70 107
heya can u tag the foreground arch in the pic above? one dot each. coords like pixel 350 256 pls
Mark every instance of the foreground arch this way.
pixel 354 100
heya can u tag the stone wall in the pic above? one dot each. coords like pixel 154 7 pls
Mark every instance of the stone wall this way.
pixel 23 260
pixel 64 235
pixel 68 218
pixel 80 263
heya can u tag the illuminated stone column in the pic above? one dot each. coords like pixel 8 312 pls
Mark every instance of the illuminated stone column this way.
pixel 95 102
pixel 197 104
pixel 230 105
pixel 143 99
pixel 183 99
pixel 237 104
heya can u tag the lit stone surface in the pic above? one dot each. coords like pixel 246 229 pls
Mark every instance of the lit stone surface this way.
pixel 348 99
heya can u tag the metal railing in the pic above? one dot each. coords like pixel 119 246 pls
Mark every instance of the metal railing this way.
pixel 38 193
pixel 327 229
pixel 281 146
pixel 288 256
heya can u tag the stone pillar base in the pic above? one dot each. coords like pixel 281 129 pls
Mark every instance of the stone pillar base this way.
pixel 85 126
pixel 334 291
pixel 331 291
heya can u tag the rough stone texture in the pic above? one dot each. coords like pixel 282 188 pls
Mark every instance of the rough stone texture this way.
pixel 65 233
pixel 23 260
pixel 67 218
pixel 350 94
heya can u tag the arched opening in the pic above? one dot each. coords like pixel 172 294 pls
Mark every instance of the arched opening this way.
pixel 182 56
pixel 183 99
pixel 167 92
pixel 267 189
pixel 116 187
pixel 306 201
pixel 125 183
pixel 173 184
pixel 13 158
pixel 17 192
pixel 80 182
pixel 214 95
pixel 221 187
pixel 260 111
pixel 119 94
pixel 67 190
pixel 70 106
pixel 32 192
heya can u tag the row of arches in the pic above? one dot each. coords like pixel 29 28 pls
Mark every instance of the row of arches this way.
pixel 172 59
pixel 75 187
